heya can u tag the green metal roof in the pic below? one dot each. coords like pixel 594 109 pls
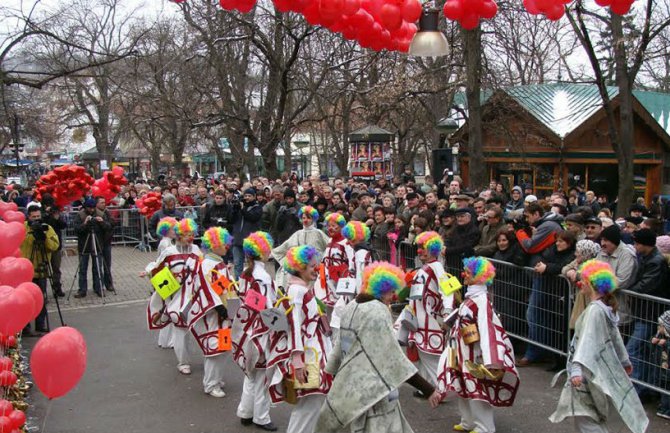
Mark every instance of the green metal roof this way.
pixel 562 107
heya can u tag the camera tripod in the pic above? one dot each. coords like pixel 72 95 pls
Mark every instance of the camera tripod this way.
pixel 100 269
pixel 44 268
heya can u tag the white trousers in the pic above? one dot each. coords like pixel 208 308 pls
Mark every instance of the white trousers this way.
pixel 213 377
pixel 165 337
pixel 585 424
pixel 427 366
pixel 255 401
pixel 180 338
pixel 305 414
pixel 476 415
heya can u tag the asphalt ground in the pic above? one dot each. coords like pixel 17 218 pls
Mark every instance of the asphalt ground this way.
pixel 132 386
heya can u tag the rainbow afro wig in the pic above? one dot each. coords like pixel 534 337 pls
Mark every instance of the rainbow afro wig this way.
pixel 481 270
pixel 309 211
pixel 337 218
pixel 598 275
pixel 431 242
pixel 216 237
pixel 356 232
pixel 297 258
pixel 186 227
pixel 165 225
pixel 380 278
pixel 258 245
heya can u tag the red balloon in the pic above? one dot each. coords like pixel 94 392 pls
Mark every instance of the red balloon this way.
pixel 7 378
pixel 453 9
pixel 390 16
pixel 620 7
pixel 14 271
pixel 6 364
pixel 14 216
pixel 18 418
pixel 603 3
pixel 469 21
pixel 16 310
pixel 36 293
pixel 411 11
pixel 10 341
pixel 350 7
pixel 5 290
pixel 330 8
pixel 531 7
pixel 555 12
pixel 282 5
pixel 58 361
pixel 6 424
pixel 11 236
pixel 488 9
pixel 5 407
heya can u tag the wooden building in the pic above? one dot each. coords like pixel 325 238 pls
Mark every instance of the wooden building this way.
pixel 555 136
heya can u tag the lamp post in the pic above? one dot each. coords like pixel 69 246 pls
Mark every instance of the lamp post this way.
pixel 446 127
pixel 429 41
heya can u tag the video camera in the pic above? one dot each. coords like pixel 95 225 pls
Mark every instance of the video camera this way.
pixel 519 222
pixel 39 230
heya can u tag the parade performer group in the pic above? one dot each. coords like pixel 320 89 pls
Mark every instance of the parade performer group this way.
pixel 280 335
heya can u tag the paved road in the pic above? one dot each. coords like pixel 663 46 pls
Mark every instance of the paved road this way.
pixel 132 386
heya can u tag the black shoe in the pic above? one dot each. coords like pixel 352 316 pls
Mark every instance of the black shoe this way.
pixel 419 394
pixel 111 289
pixel 267 427
pixel 247 421
pixel 59 292
pixel 99 294
pixel 32 334
pixel 80 295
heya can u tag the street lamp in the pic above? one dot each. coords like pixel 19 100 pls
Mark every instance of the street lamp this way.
pixel 446 127
pixel 428 40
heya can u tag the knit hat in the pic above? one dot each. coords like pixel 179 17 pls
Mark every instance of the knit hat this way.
pixel 250 191
pixel 90 202
pixel 663 244
pixel 518 189
pixel 530 198
pixel 587 248
pixel 612 234
pixel 664 321
pixel 634 220
pixel 288 192
pixel 645 237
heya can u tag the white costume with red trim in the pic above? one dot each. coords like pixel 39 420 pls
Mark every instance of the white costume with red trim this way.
pixel 429 336
pixel 493 350
pixel 361 258
pixel 251 346
pixel 183 307
pixel 206 328
pixel 305 335
pixel 336 263
pixel 165 337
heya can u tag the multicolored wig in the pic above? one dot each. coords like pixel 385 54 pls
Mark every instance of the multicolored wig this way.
pixel 356 232
pixel 165 225
pixel 258 245
pixel 186 226
pixel 216 237
pixel 336 217
pixel 309 211
pixel 431 242
pixel 380 278
pixel 297 258
pixel 481 270
pixel 598 275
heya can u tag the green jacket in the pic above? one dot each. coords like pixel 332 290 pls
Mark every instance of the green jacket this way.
pixel 50 245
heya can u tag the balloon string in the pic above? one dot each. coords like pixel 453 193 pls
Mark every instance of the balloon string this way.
pixel 46 415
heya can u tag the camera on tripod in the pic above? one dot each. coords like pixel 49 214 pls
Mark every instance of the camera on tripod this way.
pixel 39 229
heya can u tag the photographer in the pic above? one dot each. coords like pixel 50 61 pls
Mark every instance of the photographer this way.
pixel 245 216
pixel 41 240
pixel 53 217
pixel 93 225
pixel 216 213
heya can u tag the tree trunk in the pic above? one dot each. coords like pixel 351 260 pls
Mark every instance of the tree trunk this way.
pixel 624 149
pixel 473 67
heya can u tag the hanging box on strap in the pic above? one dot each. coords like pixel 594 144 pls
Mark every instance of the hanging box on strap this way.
pixel 254 300
pixel 449 284
pixel 165 283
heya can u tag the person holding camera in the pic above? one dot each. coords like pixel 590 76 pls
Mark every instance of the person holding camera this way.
pixel 93 226
pixel 245 217
pixel 52 216
pixel 216 213
pixel 40 242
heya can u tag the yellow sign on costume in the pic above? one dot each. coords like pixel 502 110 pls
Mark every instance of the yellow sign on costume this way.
pixel 165 283
pixel 449 284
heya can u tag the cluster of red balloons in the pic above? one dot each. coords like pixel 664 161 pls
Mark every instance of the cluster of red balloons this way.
pixel 11 420
pixel 109 185
pixel 65 184
pixel 469 12
pixel 9 212
pixel 552 9
pixel 58 361
pixel 149 204
pixel 619 7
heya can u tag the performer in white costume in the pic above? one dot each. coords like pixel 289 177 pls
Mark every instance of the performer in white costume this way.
pixel 336 262
pixel 478 364
pixel 209 329
pixel 308 235
pixel 429 305
pixel 299 356
pixel 598 366
pixel 183 261
pixel 251 336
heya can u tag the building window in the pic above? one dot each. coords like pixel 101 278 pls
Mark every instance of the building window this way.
pixel 419 165
pixel 544 177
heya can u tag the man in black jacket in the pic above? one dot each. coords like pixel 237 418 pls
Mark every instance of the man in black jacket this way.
pixel 216 213
pixel 651 280
pixel 462 239
pixel 93 226
pixel 245 216
pixel 287 221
